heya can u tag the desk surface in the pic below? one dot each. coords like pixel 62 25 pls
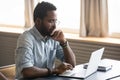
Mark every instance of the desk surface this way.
pixel 96 76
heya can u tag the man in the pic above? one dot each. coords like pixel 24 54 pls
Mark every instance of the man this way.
pixel 38 47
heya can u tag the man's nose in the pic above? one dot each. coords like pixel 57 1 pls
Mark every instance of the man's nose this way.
pixel 56 23
pixel 54 26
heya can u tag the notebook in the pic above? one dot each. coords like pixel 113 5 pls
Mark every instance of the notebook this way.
pixel 103 67
pixel 80 72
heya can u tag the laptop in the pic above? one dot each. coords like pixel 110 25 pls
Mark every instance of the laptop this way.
pixel 79 72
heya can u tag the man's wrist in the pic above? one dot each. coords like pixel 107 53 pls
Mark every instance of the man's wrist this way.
pixel 49 71
pixel 52 71
pixel 64 44
pixel 63 41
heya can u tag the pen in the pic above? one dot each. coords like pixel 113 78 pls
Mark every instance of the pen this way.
pixel 113 77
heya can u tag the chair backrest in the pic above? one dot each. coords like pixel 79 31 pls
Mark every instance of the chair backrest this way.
pixel 8 71
pixel 3 77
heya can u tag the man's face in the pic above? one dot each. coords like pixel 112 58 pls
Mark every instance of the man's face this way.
pixel 48 23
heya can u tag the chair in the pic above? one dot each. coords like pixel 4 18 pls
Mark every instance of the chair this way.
pixel 8 71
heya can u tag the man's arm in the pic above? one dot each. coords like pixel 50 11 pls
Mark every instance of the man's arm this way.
pixel 68 53
pixel 34 72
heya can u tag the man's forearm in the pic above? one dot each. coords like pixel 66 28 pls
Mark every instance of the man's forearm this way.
pixel 69 55
pixel 34 72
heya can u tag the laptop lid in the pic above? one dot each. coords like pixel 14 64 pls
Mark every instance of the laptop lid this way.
pixel 94 61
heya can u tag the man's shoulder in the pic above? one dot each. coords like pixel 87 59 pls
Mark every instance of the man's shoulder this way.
pixel 25 39
pixel 26 35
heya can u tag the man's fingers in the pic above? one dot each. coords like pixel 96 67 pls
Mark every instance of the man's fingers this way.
pixel 53 32
pixel 68 66
pixel 56 34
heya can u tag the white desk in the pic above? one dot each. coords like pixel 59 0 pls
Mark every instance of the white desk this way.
pixel 111 73
pixel 105 75
pixel 96 76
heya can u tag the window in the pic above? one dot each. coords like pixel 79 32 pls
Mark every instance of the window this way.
pixel 114 17
pixel 68 13
pixel 12 12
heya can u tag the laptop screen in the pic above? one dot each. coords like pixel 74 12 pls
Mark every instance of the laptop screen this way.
pixel 94 61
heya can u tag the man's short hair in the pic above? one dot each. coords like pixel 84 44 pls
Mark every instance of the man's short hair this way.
pixel 41 9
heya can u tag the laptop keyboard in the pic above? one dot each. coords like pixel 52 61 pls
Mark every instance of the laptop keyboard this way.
pixel 67 73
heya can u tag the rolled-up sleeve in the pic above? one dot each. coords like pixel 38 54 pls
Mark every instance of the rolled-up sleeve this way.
pixel 24 58
pixel 24 55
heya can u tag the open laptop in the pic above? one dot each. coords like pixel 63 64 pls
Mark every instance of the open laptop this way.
pixel 80 73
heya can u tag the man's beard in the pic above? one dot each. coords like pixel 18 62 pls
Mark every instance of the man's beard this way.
pixel 44 31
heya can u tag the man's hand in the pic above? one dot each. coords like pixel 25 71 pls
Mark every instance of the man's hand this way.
pixel 62 68
pixel 58 36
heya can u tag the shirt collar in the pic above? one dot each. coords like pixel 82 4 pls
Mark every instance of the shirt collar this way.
pixel 38 34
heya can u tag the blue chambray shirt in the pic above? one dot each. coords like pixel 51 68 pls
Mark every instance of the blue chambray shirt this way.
pixel 35 50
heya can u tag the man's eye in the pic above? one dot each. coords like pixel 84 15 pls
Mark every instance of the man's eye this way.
pixel 52 21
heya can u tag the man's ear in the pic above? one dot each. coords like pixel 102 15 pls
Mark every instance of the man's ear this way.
pixel 38 21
